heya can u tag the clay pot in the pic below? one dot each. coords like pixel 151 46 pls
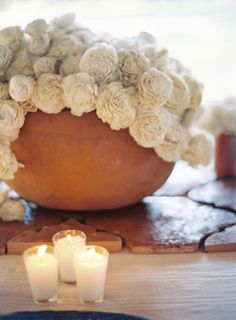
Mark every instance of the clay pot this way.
pixel 79 163
pixel 225 158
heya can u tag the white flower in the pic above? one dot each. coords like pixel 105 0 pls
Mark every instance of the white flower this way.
pixel 12 210
pixel 179 99
pixel 155 88
pixel 70 65
pixel 80 93
pixel 158 57
pixel 21 88
pixel 66 21
pixel 28 106
pixel 191 116
pixel 174 144
pixel 131 65
pixel 8 163
pixel 200 150
pixel 3 196
pixel 100 61
pixel 44 65
pixel 39 44
pixel 103 37
pixel 220 117
pixel 4 91
pixel 5 57
pixel 48 94
pixel 147 37
pixel 195 90
pixel 36 27
pixel 64 46
pixel 148 129
pixel 11 120
pixel 22 64
pixel 115 107
pixel 12 37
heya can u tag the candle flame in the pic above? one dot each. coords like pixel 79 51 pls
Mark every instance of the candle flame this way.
pixel 69 238
pixel 91 252
pixel 42 250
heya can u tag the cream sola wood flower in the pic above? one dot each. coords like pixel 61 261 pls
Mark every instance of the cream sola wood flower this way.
pixel 100 61
pixel 44 65
pixel 12 210
pixel 21 64
pixel 220 117
pixel 4 91
pixel 48 94
pixel 39 44
pixel 5 58
pixel 8 163
pixel 148 129
pixel 200 149
pixel 12 37
pixel 175 141
pixel 70 65
pixel 64 46
pixel 114 106
pixel 21 88
pixel 11 120
pixel 80 92
pixel 131 65
pixel 36 27
pixel 155 88
pixel 179 99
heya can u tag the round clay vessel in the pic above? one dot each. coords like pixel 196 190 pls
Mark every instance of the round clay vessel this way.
pixel 225 156
pixel 79 163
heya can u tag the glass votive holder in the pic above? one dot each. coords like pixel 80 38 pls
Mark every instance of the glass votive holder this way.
pixel 90 268
pixel 42 269
pixel 65 243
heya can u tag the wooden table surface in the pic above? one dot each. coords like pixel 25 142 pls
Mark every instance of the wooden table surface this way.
pixel 178 286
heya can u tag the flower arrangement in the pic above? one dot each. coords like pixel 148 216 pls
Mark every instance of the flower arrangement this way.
pixel 130 83
pixel 220 117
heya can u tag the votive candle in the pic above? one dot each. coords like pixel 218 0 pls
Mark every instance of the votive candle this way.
pixel 65 243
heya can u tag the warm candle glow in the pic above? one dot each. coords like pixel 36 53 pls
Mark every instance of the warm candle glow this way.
pixel 69 238
pixel 42 250
pixel 91 252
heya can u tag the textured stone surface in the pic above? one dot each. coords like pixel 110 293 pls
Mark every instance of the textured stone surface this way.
pixel 164 224
pixel 29 238
pixel 220 193
pixel 221 241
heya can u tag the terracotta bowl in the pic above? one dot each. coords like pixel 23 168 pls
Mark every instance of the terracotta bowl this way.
pixel 81 164
pixel 225 158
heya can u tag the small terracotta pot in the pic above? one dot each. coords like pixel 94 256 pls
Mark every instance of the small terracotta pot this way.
pixel 225 157
pixel 79 163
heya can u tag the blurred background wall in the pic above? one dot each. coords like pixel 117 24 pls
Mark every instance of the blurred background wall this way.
pixel 200 33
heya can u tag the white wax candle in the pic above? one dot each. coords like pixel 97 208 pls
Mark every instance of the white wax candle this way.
pixel 90 268
pixel 42 270
pixel 65 248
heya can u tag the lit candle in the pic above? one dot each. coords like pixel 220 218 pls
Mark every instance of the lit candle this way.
pixel 90 268
pixel 42 269
pixel 66 242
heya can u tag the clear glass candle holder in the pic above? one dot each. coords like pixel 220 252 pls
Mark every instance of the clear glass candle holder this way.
pixel 42 269
pixel 65 243
pixel 90 269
